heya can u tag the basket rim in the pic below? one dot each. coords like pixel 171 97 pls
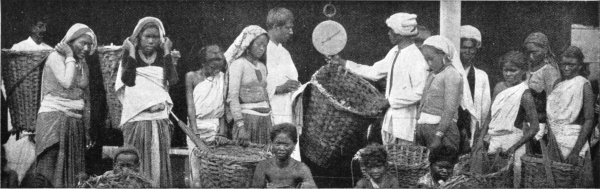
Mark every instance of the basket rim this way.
pixel 421 165
pixel 504 169
pixel 262 149
pixel 108 48
pixel 336 103
pixel 15 52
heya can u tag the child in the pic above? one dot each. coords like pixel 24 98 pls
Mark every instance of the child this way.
pixel 125 173
pixel 374 160
pixel 282 171
pixel 126 158
pixel 438 112
pixel 440 170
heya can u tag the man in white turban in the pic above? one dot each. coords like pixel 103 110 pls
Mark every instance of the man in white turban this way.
pixel 406 72
pixel 476 88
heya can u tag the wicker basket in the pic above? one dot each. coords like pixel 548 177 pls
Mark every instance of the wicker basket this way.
pixel 339 110
pixel 109 62
pixel 22 73
pixel 408 163
pixel 230 166
pixel 534 174
pixel 497 174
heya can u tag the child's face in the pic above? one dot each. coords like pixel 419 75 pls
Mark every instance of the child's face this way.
pixel 126 160
pixel 282 146
pixel 512 74
pixel 376 172
pixel 442 170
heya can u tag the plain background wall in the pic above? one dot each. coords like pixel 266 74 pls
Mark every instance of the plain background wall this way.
pixel 190 24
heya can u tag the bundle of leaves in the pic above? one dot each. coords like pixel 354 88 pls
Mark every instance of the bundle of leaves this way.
pixel 124 179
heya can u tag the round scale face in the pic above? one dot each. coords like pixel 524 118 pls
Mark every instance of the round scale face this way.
pixel 329 37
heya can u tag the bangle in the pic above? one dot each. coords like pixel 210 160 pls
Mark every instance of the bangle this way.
pixel 439 133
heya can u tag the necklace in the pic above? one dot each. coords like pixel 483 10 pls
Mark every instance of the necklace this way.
pixel 147 60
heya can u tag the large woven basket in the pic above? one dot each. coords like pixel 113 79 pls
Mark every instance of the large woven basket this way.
pixel 497 173
pixel 565 175
pixel 109 63
pixel 339 110
pixel 22 73
pixel 230 166
pixel 408 163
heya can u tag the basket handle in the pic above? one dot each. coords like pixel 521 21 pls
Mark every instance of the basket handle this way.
pixel 547 164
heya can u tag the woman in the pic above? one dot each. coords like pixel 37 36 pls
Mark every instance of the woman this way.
pixel 247 94
pixel 282 171
pixel 570 115
pixel 60 132
pixel 543 75
pixel 438 112
pixel 205 94
pixel 146 72
pixel 513 105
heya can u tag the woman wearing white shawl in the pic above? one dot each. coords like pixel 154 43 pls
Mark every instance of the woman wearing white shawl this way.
pixel 60 131
pixel 570 115
pixel 247 94
pixel 142 84
pixel 512 107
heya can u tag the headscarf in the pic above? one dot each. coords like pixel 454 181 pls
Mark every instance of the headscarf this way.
pixel 541 40
pixel 241 43
pixel 143 22
pixel 404 24
pixel 470 32
pixel 445 45
pixel 76 31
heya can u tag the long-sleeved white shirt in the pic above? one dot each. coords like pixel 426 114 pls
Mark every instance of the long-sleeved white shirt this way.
pixel 403 89
pixel 30 45
pixel 280 68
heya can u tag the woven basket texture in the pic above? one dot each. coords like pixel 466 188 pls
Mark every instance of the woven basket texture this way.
pixel 230 166
pixel 109 63
pixel 534 173
pixel 408 163
pixel 497 173
pixel 22 71
pixel 339 110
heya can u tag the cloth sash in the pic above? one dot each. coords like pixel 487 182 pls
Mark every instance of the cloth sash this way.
pixel 248 108
pixel 209 98
pixel 563 107
pixel 72 108
pixel 505 109
pixel 147 92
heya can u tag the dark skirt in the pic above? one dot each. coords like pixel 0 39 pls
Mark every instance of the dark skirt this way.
pixel 259 127
pixel 139 134
pixel 60 148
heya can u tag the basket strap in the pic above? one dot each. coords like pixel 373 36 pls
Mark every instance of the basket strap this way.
pixel 547 164
pixel 13 88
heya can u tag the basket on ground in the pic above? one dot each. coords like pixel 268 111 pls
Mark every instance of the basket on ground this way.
pixel 565 175
pixel 338 109
pixel 408 163
pixel 22 73
pixel 497 173
pixel 230 166
pixel 110 56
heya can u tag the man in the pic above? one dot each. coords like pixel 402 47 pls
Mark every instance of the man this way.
pixel 406 71
pixel 282 77
pixel 476 90
pixel 37 29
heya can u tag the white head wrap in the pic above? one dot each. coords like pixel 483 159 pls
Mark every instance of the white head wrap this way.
pixel 242 41
pixel 142 23
pixel 470 32
pixel 403 23
pixel 445 45
pixel 76 31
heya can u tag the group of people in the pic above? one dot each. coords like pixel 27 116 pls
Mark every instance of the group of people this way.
pixel 438 99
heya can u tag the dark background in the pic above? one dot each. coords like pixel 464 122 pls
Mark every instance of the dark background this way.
pixel 190 24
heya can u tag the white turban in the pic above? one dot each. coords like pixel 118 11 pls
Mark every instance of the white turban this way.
pixel 470 32
pixel 445 45
pixel 403 23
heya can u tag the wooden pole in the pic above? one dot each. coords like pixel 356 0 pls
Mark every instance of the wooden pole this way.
pixel 450 20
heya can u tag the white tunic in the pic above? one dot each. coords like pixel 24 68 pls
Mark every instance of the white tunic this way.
pixel 403 89
pixel 30 45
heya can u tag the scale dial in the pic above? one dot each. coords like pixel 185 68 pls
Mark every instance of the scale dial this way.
pixel 329 37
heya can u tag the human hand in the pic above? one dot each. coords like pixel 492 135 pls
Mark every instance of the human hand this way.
pixel 337 61
pixel 167 45
pixel 241 135
pixel 129 47
pixel 573 158
pixel 220 140
pixel 157 108
pixel 436 143
pixel 507 153
pixel 175 56
pixel 64 49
